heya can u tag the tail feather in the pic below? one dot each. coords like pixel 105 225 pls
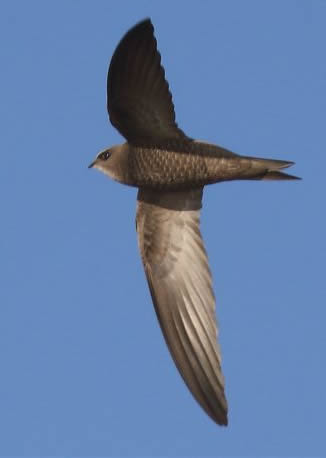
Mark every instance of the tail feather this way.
pixel 269 169
pixel 275 175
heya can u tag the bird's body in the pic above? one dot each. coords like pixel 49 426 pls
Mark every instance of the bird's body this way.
pixel 171 169
pixel 185 164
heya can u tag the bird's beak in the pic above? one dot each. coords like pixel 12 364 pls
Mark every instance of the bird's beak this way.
pixel 92 164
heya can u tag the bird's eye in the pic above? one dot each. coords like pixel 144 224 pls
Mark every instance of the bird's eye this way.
pixel 105 155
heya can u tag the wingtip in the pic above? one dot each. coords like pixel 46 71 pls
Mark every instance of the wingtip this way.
pixel 146 22
pixel 222 421
pixel 220 417
pixel 143 26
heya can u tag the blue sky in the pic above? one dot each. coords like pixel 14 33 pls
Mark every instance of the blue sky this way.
pixel 84 368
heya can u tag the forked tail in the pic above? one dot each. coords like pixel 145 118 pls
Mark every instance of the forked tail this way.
pixel 270 169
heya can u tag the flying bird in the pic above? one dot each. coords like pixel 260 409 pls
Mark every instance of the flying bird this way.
pixel 170 171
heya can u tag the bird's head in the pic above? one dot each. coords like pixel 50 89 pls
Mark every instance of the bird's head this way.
pixel 113 162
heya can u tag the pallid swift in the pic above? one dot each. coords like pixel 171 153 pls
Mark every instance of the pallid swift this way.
pixel 170 171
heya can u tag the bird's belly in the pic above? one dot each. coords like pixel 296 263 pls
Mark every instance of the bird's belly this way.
pixel 161 169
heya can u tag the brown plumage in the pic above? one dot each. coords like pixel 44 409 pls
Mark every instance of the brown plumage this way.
pixel 171 169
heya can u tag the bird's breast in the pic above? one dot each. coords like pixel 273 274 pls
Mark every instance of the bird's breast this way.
pixel 166 169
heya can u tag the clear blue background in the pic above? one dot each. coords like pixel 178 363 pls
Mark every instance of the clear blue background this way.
pixel 84 368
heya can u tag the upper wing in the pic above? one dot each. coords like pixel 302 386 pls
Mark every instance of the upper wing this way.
pixel 138 98
pixel 180 282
